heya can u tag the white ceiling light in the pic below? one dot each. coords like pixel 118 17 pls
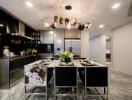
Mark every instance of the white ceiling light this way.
pixel 116 5
pixel 68 26
pixel 46 24
pixel 89 25
pixel 1 25
pixel 101 26
pixel 29 4
pixel 72 21
pixel 51 32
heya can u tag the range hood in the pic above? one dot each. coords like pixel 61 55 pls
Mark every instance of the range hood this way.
pixel 21 29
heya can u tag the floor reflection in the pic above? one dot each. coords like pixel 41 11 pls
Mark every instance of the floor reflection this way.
pixel 120 88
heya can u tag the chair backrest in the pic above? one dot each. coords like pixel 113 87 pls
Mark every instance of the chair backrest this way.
pixel 96 76
pixel 65 76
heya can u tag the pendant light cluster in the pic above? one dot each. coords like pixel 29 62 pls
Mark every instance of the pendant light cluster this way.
pixel 68 23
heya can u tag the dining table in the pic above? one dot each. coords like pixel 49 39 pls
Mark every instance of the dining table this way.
pixel 37 72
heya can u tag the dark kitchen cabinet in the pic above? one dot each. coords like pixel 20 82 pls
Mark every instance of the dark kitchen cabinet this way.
pixel 9 23
pixel 12 70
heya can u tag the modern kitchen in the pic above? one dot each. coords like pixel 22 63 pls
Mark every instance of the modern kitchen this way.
pixel 65 50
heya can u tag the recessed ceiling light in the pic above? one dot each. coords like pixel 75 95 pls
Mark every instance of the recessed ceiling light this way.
pixel 29 4
pixel 1 25
pixel 101 26
pixel 116 5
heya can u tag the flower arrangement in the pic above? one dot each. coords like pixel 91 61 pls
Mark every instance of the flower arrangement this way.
pixel 29 51
pixel 66 56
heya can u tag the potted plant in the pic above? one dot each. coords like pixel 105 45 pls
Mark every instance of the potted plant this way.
pixel 29 51
pixel 66 56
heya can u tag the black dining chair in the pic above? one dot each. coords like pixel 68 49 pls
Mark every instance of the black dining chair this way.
pixel 82 75
pixel 65 82
pixel 96 82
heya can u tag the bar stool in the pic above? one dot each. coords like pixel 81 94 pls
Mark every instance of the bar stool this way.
pixel 65 82
pixel 96 82
pixel 35 81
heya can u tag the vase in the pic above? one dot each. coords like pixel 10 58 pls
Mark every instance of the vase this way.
pixel 6 51
pixel 67 60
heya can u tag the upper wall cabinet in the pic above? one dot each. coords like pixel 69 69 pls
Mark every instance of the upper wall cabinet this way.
pixel 29 31
pixel 8 24
pixel 72 33
pixel 46 37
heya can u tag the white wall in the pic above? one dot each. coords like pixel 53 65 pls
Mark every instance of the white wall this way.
pixel 73 33
pixel 85 44
pixel 58 41
pixel 122 49
pixel 98 48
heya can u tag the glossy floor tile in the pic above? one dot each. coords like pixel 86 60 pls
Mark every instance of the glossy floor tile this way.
pixel 120 88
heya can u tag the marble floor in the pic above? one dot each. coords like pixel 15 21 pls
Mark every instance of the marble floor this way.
pixel 120 88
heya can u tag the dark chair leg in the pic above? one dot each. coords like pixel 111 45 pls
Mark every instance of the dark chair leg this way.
pixel 104 91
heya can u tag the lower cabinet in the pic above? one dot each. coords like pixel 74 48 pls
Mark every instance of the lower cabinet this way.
pixel 12 70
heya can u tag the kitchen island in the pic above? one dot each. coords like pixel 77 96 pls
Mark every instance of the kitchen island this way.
pixel 37 74
pixel 41 66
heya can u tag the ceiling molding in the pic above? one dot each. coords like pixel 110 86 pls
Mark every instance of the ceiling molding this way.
pixel 121 26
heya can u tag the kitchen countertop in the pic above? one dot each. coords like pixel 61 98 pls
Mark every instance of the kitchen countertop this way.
pixel 77 63
pixel 16 57
pixel 35 72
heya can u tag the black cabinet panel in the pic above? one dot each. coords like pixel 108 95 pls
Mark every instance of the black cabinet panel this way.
pixel 97 76
pixel 65 76
pixel 8 21
pixel 12 70
pixel 17 68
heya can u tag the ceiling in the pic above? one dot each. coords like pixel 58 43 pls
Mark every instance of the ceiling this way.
pixel 94 11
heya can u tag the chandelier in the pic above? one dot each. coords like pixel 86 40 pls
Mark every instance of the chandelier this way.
pixel 69 23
